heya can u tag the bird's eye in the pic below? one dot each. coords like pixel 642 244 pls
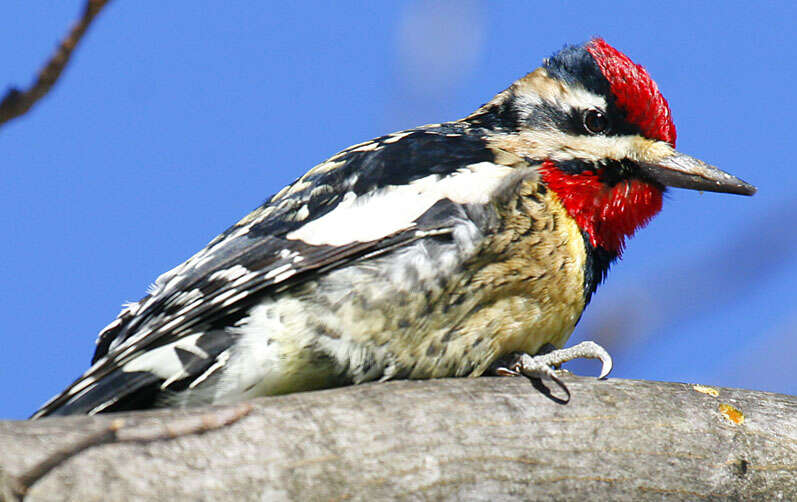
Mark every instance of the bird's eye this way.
pixel 595 121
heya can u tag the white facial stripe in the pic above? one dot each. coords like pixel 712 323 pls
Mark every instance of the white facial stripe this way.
pixel 538 87
pixel 556 145
pixel 395 208
pixel 581 99
pixel 595 148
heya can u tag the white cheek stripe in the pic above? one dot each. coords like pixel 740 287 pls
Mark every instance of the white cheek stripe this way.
pixel 558 146
pixel 394 208
pixel 596 148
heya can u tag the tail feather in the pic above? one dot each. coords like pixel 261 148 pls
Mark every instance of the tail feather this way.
pixel 117 391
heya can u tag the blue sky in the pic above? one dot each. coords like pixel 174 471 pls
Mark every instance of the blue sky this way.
pixel 171 124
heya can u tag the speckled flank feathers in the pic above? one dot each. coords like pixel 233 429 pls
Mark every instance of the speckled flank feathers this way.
pixel 425 253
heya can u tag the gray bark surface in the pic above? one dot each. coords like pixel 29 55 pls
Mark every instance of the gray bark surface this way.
pixel 452 439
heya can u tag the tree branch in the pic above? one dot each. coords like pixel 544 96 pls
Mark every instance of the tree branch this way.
pixel 16 103
pixel 454 439
pixel 116 432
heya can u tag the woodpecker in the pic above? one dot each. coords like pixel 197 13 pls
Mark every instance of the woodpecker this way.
pixel 452 249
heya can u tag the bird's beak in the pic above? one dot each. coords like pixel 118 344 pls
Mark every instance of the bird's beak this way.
pixel 682 171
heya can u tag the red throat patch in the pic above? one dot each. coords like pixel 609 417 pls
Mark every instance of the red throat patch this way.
pixel 607 214
pixel 635 91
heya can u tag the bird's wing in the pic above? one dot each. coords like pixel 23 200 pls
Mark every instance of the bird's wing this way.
pixel 366 201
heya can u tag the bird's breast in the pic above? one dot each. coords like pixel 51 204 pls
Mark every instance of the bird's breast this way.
pixel 430 310
pixel 531 284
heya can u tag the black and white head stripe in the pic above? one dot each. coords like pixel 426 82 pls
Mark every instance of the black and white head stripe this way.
pixel 556 97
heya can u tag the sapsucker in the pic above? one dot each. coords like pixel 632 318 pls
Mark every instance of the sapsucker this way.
pixel 446 250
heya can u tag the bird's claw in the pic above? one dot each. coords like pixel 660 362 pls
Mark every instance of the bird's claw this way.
pixel 540 365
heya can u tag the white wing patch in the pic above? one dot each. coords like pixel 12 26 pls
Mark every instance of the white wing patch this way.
pixel 394 208
pixel 163 361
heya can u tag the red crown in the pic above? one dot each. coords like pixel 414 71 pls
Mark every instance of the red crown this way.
pixel 635 91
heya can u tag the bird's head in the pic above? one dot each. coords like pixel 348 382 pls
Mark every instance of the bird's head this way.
pixel 604 136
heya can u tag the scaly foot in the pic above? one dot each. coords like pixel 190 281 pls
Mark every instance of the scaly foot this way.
pixel 540 365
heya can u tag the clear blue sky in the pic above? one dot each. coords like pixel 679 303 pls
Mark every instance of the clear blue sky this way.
pixel 172 123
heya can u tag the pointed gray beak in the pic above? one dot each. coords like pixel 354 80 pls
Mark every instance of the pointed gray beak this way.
pixel 682 171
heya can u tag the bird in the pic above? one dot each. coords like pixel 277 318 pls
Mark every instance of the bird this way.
pixel 454 249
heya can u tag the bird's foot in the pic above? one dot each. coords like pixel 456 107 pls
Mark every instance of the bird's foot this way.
pixel 540 366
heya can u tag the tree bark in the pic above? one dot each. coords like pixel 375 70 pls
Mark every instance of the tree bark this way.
pixel 452 439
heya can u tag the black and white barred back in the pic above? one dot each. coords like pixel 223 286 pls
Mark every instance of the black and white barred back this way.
pixel 268 306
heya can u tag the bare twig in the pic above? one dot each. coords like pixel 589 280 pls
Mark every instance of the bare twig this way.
pixel 18 102
pixel 116 432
